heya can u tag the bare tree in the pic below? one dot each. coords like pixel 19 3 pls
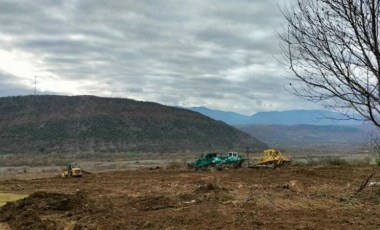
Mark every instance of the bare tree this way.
pixel 332 48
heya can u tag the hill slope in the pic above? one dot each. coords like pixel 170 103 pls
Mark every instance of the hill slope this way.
pixel 227 117
pixel 88 123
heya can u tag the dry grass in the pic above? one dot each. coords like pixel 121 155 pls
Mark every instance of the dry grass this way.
pixel 303 197
pixel 7 197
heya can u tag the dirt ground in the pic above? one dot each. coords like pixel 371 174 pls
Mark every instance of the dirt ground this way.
pixel 286 198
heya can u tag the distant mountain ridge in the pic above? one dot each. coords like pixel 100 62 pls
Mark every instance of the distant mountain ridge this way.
pixel 305 136
pixel 290 117
pixel 43 124
pixel 299 128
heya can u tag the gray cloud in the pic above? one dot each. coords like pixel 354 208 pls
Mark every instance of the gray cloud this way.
pixel 214 53
pixel 10 87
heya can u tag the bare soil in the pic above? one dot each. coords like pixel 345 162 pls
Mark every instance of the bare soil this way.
pixel 287 198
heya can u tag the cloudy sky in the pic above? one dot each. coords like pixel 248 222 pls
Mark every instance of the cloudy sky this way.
pixel 215 53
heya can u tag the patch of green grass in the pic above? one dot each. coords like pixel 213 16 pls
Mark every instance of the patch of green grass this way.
pixel 329 161
pixel 332 160
pixel 7 197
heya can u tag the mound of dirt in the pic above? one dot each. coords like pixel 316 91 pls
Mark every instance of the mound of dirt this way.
pixel 151 203
pixel 296 186
pixel 26 213
pixel 305 171
pixel 209 187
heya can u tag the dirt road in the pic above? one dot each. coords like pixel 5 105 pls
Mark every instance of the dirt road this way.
pixel 286 198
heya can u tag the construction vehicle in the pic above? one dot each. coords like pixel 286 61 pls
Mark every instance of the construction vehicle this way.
pixel 71 170
pixel 217 161
pixel 272 158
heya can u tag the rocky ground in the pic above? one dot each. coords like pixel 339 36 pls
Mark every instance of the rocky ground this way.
pixel 287 198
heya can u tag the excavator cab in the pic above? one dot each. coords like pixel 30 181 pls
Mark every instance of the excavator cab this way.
pixel 72 170
pixel 233 154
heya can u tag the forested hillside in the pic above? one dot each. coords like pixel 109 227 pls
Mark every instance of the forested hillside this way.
pixel 87 123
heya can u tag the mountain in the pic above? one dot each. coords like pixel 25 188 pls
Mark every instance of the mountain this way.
pixel 227 117
pixel 291 117
pixel 300 117
pixel 298 128
pixel 87 123
pixel 304 136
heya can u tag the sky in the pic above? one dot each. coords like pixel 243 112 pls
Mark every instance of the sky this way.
pixel 221 54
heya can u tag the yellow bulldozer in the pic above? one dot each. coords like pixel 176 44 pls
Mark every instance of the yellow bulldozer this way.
pixel 71 170
pixel 272 158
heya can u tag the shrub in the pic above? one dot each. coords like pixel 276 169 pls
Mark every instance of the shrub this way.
pixel 174 165
pixel 333 161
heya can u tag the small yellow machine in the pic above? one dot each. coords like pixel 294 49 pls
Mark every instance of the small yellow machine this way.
pixel 71 170
pixel 272 158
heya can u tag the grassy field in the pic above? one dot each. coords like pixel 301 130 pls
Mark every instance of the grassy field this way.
pixel 7 197
pixel 26 166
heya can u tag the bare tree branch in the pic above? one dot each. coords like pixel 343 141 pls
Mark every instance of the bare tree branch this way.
pixel 332 48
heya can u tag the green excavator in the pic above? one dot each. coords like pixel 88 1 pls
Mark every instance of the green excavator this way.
pixel 218 161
